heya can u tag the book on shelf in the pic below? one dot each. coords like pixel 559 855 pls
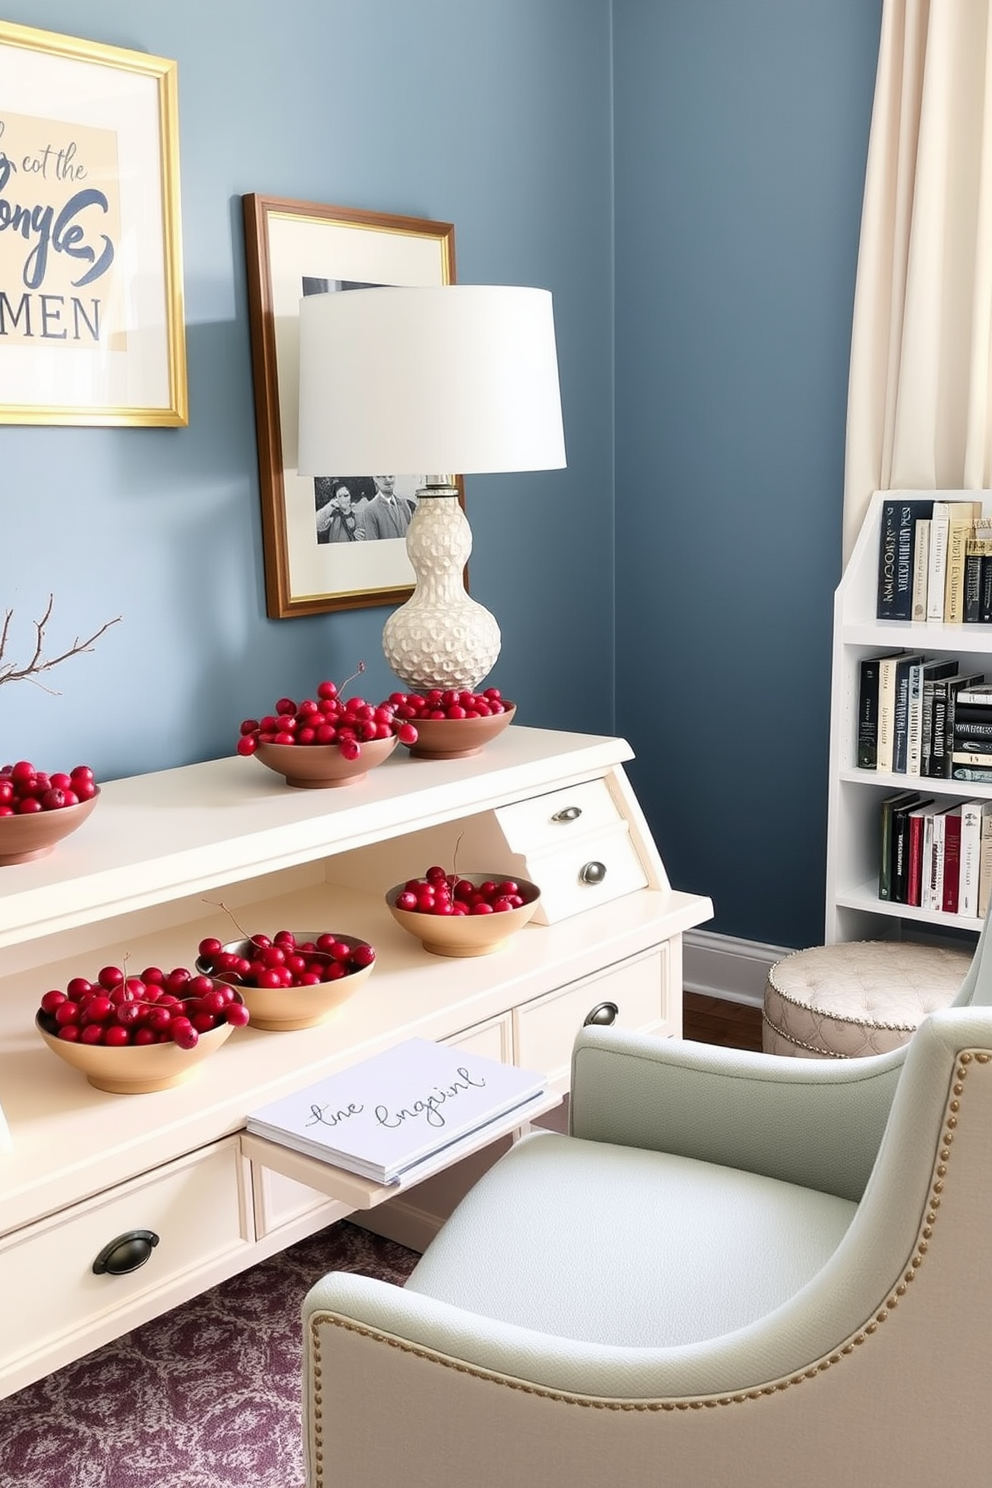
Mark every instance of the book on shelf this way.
pixel 977 549
pixel 985 861
pixel 384 1117
pixel 939 698
pixel 985 609
pixel 919 672
pixel 900 710
pixel 960 530
pixel 972 757
pixel 971 849
pixel 895 556
pixel 978 695
pixel 976 774
pixel 932 887
pixel 952 860
pixel 868 678
pixel 921 567
pixel 889 805
pixel 916 819
pixel 887 709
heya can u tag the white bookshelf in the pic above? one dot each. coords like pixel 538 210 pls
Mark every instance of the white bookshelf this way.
pixel 853 908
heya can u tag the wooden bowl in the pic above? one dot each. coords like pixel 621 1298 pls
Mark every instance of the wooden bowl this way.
pixel 466 935
pixel 137 1069
pixel 283 1009
pixel 25 837
pixel 323 766
pixel 455 738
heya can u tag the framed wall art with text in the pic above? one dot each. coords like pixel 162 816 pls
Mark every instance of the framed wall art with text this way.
pixel 91 294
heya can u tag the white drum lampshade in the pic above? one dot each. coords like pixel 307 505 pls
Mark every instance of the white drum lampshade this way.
pixel 452 378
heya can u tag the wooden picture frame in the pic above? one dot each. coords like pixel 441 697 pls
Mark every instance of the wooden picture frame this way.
pixel 291 247
pixel 91 294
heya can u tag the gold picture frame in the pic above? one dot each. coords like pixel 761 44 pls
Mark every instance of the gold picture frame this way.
pixel 91 294
pixel 291 247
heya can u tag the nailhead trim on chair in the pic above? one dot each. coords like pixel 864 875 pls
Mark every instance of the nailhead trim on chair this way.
pixel 952 1114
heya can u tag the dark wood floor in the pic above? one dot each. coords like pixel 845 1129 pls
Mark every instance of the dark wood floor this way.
pixel 714 1020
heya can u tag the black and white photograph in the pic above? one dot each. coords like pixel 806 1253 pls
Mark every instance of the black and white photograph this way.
pixel 331 542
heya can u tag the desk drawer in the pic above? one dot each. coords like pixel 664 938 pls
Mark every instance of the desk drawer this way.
pixel 545 1029
pixel 48 1289
pixel 545 823
pixel 589 870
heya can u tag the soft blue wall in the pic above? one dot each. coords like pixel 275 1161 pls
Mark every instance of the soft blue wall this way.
pixel 740 142
pixel 494 115
pixel 737 132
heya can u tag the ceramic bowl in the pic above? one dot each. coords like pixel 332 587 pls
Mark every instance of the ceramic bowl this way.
pixel 282 1009
pixel 136 1069
pixel 454 738
pixel 320 766
pixel 466 935
pixel 25 837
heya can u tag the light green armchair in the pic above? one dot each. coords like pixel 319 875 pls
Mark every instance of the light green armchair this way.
pixel 735 1269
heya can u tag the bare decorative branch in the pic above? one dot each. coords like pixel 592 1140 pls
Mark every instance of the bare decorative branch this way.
pixel 10 671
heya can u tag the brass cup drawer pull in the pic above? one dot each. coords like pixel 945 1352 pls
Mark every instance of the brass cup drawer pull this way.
pixel 126 1253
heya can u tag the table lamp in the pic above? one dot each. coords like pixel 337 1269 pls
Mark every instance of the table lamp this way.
pixel 456 378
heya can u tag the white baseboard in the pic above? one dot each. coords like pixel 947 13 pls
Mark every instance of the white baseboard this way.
pixel 725 966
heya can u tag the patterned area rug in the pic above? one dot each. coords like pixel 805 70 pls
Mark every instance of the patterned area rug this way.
pixel 207 1396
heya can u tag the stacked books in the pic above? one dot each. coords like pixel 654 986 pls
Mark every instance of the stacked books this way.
pixel 934 560
pixel 394 1113
pixel 936 855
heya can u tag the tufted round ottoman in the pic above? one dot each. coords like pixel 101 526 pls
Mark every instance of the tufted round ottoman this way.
pixel 857 997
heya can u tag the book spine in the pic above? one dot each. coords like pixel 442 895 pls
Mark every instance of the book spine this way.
pixel 921 565
pixel 937 571
pixel 985 861
pixel 900 854
pixel 975 773
pixel 939 758
pixel 933 888
pixel 867 754
pixel 958 534
pixel 971 843
pixel 915 822
pixel 952 860
pixel 976 696
pixel 972 582
pixel 971 757
pixel 886 711
pixel 985 612
pixel 900 714
pixel 888 545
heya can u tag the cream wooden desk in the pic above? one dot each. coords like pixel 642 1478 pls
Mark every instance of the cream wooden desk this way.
pixel 141 879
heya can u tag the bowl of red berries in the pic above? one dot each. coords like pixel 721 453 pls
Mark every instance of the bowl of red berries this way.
pixel 131 1035
pixel 452 724
pixel 37 809
pixel 293 979
pixel 463 914
pixel 327 740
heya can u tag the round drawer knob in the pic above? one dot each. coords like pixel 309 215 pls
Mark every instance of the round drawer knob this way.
pixel 126 1253
pixel 592 873
pixel 601 1016
pixel 567 814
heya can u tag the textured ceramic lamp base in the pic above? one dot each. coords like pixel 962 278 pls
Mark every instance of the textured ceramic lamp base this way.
pixel 440 637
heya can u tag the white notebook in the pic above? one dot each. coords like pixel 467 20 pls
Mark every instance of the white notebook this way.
pixel 383 1116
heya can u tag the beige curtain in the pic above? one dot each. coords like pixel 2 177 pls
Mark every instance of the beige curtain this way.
pixel 919 415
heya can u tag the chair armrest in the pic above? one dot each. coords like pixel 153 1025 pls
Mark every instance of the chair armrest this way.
pixel 814 1122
